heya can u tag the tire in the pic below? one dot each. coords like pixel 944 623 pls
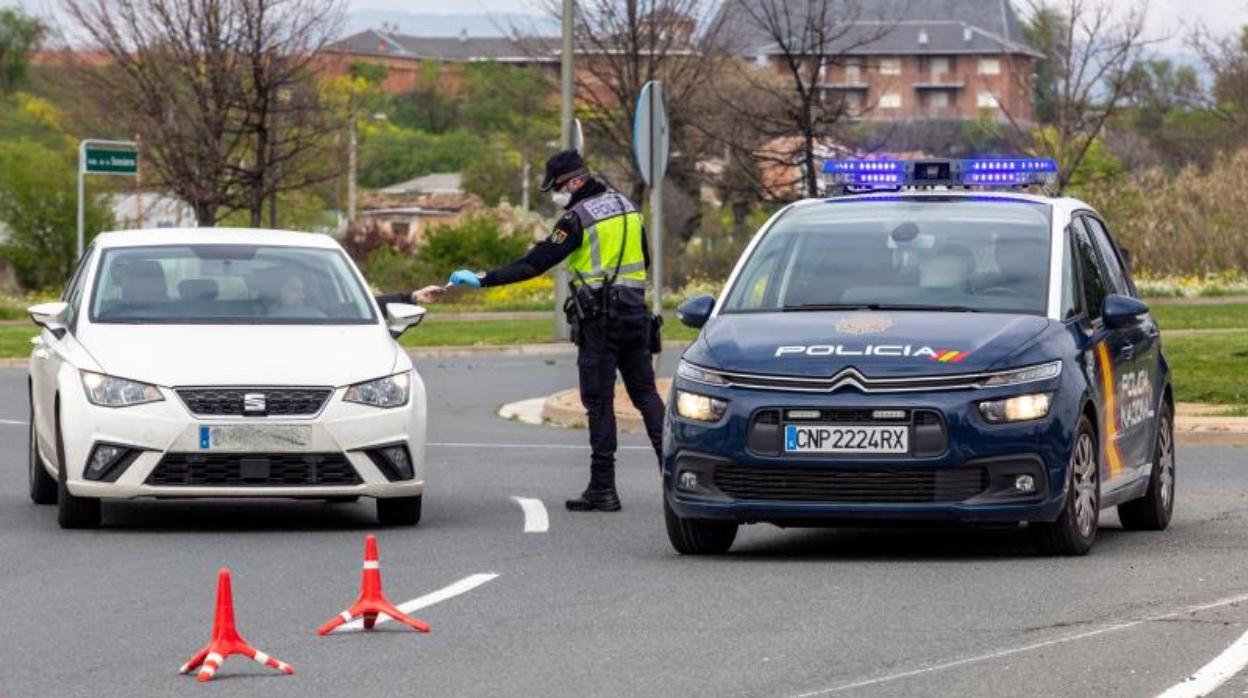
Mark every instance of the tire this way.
pixel 698 536
pixel 43 489
pixel 1152 512
pixel 72 511
pixel 399 511
pixel 1074 531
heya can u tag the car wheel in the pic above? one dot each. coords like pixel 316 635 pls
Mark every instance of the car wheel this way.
pixel 398 511
pixel 698 536
pixel 42 485
pixel 1074 531
pixel 1152 512
pixel 72 511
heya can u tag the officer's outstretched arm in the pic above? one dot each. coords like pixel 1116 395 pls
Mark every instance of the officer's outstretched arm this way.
pixel 563 241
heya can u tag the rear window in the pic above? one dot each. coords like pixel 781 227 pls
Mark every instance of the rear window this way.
pixel 943 254
pixel 228 284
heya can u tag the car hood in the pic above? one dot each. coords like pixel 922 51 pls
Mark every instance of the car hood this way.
pixel 878 344
pixel 173 355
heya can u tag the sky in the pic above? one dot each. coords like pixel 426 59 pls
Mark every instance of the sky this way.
pixel 1173 18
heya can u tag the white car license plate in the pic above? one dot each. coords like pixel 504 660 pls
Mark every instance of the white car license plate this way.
pixel 254 437
pixel 845 438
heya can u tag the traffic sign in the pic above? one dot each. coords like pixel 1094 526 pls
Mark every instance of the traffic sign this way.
pixel 651 141
pixel 110 161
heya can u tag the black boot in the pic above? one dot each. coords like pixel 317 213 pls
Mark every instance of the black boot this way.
pixel 595 499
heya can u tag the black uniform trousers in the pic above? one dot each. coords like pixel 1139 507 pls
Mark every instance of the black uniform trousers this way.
pixel 621 343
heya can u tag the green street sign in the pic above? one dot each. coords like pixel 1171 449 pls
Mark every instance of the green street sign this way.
pixel 111 161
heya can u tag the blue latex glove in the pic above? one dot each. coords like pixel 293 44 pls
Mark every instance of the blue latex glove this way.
pixel 465 277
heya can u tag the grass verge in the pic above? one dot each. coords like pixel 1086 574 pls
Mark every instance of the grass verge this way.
pixel 1219 316
pixel 1210 368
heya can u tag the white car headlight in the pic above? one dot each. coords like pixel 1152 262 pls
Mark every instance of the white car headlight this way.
pixel 387 392
pixel 111 391
pixel 699 374
pixel 699 408
pixel 1028 374
pixel 1020 408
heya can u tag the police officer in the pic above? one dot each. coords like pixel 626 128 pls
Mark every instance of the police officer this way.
pixel 602 237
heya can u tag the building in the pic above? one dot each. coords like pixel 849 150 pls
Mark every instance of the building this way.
pixel 901 59
pixel 405 215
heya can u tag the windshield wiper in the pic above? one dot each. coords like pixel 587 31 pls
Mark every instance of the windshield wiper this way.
pixel 815 307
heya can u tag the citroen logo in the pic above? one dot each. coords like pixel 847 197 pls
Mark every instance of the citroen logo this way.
pixel 254 403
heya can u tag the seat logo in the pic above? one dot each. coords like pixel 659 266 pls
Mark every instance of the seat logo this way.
pixel 254 403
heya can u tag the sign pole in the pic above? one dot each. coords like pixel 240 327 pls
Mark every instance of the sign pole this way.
pixel 566 138
pixel 82 176
pixel 656 191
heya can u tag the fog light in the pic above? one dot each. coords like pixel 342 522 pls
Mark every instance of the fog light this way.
pixel 393 461
pixel 104 461
pixel 688 481
pixel 888 414
pixel 1025 484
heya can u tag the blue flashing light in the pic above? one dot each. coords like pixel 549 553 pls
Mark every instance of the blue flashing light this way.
pixel 863 166
pixel 999 165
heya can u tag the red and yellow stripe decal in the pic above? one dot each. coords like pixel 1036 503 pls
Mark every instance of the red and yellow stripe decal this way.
pixel 1110 442
pixel 950 356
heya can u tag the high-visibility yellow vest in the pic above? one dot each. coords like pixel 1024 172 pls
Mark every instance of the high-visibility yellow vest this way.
pixel 612 234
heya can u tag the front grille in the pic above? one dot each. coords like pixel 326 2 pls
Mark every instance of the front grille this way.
pixel 253 470
pixel 857 486
pixel 228 402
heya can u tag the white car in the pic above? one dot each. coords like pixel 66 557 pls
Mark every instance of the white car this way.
pixel 223 363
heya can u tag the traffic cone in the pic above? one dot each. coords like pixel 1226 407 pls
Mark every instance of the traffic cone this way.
pixel 225 638
pixel 372 601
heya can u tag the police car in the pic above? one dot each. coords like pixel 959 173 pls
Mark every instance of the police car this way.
pixel 931 344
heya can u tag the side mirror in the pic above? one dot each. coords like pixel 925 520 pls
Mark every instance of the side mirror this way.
pixel 402 316
pixel 696 311
pixel 1122 311
pixel 50 316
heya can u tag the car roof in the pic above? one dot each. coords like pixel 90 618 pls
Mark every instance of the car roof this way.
pixel 1056 202
pixel 207 236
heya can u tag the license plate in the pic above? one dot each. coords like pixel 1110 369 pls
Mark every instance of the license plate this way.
pixel 845 438
pixel 254 437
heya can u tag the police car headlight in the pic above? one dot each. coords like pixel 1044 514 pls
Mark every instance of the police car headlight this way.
pixel 699 408
pixel 1028 374
pixel 111 391
pixel 699 374
pixel 1020 408
pixel 387 392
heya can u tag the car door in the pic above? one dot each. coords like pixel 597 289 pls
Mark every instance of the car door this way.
pixel 1106 356
pixel 49 355
pixel 1136 383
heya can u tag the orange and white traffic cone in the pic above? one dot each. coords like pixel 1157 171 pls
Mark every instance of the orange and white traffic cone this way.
pixel 372 602
pixel 225 639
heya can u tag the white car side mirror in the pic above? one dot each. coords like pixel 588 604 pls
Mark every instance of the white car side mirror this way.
pixel 402 316
pixel 51 316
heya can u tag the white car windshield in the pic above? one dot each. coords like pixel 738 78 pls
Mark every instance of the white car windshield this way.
pixel 228 284
pixel 955 254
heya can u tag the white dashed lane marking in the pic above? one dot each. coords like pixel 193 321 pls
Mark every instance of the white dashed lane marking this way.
pixel 535 518
pixel 464 585
pixel 13 422
pixel 1214 674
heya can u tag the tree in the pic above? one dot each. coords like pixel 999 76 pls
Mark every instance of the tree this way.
pixel 1091 47
pixel 807 39
pixel 217 89
pixel 37 206
pixel 1227 59
pixel 517 104
pixel 18 36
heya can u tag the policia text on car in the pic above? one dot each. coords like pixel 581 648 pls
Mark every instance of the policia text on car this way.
pixel 603 239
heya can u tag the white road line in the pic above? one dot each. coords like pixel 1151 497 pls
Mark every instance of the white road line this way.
pixel 464 585
pixel 1213 674
pixel 535 518
pixel 458 444
pixel 888 678
pixel 13 422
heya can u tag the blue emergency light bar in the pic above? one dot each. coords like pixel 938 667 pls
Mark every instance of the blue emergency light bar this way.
pixel 980 173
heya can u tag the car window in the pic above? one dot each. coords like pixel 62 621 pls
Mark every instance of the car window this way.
pixel 1091 278
pixel 228 284
pixel 981 254
pixel 1116 274
pixel 1070 279
pixel 73 292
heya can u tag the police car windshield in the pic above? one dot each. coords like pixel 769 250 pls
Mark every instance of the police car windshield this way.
pixel 939 254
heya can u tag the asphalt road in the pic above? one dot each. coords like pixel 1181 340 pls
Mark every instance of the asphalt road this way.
pixel 599 604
